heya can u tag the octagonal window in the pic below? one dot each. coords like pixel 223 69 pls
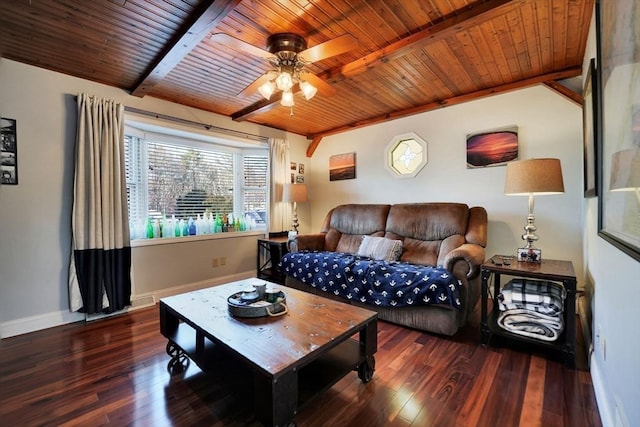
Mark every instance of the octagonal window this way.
pixel 406 155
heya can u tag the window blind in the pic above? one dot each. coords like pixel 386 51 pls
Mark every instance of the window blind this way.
pixel 166 180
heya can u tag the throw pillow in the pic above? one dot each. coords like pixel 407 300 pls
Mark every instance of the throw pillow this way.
pixel 380 248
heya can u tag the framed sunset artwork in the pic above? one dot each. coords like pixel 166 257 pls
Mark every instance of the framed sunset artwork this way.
pixel 492 148
pixel 342 166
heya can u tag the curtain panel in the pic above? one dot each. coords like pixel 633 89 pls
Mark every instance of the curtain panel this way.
pixel 100 265
pixel 280 212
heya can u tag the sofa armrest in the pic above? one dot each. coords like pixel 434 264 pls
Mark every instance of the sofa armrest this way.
pixel 307 242
pixel 470 253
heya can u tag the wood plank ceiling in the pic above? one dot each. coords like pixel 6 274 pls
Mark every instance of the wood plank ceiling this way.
pixel 411 56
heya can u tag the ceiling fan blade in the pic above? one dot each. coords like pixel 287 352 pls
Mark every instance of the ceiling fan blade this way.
pixel 341 44
pixel 242 46
pixel 253 87
pixel 322 86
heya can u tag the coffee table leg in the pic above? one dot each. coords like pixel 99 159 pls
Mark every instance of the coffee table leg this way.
pixel 276 399
pixel 368 342
pixel 366 368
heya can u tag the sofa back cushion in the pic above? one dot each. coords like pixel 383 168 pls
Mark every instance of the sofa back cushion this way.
pixel 346 224
pixel 425 228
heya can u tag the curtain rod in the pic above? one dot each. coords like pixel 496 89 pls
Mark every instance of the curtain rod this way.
pixel 197 124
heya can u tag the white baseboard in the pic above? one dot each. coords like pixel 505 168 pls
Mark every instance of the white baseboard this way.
pixel 137 302
pixel 38 322
pixel 50 320
pixel 612 413
pixel 601 393
pixel 188 287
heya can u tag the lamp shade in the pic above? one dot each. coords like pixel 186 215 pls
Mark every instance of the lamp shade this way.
pixel 533 176
pixel 284 81
pixel 287 98
pixel 267 89
pixel 625 170
pixel 295 193
pixel 308 89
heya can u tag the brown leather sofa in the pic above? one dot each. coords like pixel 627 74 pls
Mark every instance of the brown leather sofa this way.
pixel 451 235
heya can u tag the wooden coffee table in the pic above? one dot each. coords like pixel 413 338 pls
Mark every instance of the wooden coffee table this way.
pixel 292 357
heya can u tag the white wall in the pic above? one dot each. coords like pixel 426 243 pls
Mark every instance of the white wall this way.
pixel 35 215
pixel 615 363
pixel 548 126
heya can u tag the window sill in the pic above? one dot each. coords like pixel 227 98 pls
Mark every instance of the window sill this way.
pixel 173 240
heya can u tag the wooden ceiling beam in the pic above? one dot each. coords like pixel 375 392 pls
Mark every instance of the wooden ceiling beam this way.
pixel 203 21
pixel 565 92
pixel 460 22
pixel 314 144
pixel 532 81
pixel 260 106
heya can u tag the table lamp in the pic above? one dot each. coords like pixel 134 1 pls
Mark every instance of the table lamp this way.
pixel 625 174
pixel 532 177
pixel 625 171
pixel 295 193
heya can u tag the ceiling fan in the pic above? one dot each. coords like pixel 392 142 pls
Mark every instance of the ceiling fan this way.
pixel 288 54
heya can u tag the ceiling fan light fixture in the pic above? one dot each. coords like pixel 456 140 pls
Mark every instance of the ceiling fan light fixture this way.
pixel 308 89
pixel 288 55
pixel 287 98
pixel 267 89
pixel 284 81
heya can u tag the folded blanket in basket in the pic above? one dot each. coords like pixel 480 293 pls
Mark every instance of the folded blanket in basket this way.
pixel 535 295
pixel 531 324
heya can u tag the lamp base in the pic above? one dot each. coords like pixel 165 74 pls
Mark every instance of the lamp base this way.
pixel 529 255
pixel 530 235
pixel 294 222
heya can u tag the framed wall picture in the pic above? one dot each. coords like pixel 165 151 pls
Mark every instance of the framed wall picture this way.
pixel 619 153
pixel 8 151
pixel 590 129
pixel 342 166
pixel 492 148
pixel 529 255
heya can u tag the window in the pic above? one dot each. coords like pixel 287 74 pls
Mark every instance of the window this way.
pixel 406 155
pixel 180 186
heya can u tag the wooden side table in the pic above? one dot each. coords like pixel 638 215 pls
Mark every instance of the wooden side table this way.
pixel 549 270
pixel 270 252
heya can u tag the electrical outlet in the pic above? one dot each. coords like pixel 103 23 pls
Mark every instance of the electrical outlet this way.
pixel 223 260
pixel 214 262
pixel 602 343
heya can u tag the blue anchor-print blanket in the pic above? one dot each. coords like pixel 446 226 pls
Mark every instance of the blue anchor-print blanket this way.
pixel 380 283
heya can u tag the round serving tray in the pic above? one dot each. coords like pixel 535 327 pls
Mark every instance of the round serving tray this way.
pixel 250 304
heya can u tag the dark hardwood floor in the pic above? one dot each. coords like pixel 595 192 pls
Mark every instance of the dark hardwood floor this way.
pixel 114 372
